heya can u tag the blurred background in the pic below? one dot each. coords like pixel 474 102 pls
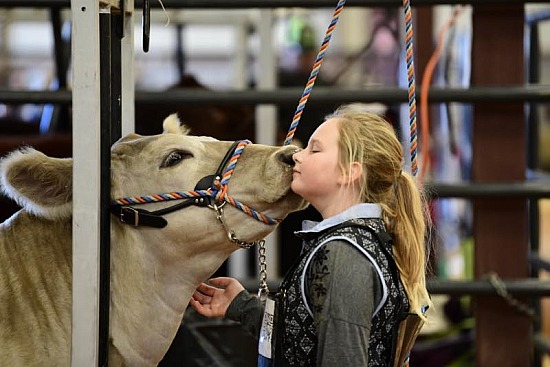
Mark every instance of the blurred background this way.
pixel 219 50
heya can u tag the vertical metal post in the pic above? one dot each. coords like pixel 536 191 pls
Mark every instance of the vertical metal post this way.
pixel 106 92
pixel 86 182
pixel 237 264
pixel 127 72
pixel 241 55
pixel 115 79
pixel 97 98
pixel 266 115
pixel 111 31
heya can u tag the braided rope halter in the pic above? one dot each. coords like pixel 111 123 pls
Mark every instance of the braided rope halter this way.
pixel 210 191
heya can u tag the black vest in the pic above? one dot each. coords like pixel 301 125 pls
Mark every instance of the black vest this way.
pixel 296 335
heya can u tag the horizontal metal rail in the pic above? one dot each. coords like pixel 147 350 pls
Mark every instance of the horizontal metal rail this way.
pixel 489 190
pixel 504 94
pixel 518 287
pixel 242 4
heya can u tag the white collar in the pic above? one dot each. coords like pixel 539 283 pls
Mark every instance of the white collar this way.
pixel 363 210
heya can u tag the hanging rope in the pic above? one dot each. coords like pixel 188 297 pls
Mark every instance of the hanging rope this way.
pixel 410 78
pixel 409 52
pixel 313 76
pixel 424 89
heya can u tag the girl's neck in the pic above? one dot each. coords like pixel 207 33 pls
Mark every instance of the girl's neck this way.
pixel 336 207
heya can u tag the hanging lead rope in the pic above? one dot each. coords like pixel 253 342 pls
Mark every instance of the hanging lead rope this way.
pixel 314 72
pixel 409 51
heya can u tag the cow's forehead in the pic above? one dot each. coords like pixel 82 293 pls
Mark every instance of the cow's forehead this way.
pixel 133 143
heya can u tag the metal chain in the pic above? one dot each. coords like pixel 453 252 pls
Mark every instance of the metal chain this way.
pixel 262 259
pixel 230 234
pixel 501 290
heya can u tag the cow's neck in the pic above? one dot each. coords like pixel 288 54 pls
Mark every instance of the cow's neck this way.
pixel 152 282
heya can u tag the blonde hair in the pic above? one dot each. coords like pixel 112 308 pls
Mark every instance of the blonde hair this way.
pixel 368 139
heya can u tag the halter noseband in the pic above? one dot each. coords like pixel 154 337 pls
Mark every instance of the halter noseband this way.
pixel 210 191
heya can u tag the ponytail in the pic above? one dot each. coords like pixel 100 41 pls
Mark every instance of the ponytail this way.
pixel 410 251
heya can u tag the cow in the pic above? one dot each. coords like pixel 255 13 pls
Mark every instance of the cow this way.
pixel 155 267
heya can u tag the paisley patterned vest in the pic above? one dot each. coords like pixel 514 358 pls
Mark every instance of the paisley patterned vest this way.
pixel 296 336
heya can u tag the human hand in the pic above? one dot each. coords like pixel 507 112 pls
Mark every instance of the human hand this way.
pixel 213 300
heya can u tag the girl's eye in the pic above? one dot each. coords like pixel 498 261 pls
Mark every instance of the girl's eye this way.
pixel 175 157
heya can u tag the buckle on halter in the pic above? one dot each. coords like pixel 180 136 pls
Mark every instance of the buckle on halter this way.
pixel 126 216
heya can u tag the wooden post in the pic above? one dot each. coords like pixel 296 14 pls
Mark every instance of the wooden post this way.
pixel 499 145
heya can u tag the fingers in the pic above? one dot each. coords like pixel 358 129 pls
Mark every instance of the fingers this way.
pixel 230 285
pixel 201 297
pixel 199 307
pixel 206 289
pixel 213 300
pixel 221 282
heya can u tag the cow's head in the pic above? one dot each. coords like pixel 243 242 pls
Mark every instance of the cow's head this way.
pixel 176 162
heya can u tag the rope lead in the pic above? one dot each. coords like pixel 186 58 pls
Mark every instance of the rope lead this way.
pixel 409 51
pixel 313 76
pixel 410 78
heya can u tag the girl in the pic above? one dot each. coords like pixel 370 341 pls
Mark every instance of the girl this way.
pixel 353 285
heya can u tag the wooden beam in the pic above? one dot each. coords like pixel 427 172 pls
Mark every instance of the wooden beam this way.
pixel 499 146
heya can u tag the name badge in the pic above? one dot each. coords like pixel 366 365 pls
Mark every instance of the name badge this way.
pixel 266 332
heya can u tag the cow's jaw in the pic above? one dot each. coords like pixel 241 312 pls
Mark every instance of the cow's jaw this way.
pixel 154 304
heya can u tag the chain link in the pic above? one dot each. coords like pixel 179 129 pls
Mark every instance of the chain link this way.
pixel 262 259
pixel 501 290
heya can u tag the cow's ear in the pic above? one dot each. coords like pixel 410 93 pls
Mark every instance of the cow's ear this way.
pixel 173 125
pixel 40 184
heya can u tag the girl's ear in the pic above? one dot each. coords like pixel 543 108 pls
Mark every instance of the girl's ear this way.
pixel 352 174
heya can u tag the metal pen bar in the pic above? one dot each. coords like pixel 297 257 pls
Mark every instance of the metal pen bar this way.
pixel 518 287
pixel 327 94
pixel 236 4
pixel 106 87
pixel 290 95
pixel 489 190
pixel 241 4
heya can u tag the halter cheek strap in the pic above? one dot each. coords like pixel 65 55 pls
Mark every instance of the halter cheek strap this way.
pixel 210 191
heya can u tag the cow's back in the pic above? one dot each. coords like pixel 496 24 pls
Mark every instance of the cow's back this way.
pixel 35 291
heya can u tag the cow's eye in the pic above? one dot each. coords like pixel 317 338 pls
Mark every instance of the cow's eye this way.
pixel 175 157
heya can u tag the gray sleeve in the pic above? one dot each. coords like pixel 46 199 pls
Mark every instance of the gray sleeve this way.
pixel 344 289
pixel 247 309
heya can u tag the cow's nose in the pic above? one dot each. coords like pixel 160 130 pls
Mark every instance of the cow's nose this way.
pixel 286 156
